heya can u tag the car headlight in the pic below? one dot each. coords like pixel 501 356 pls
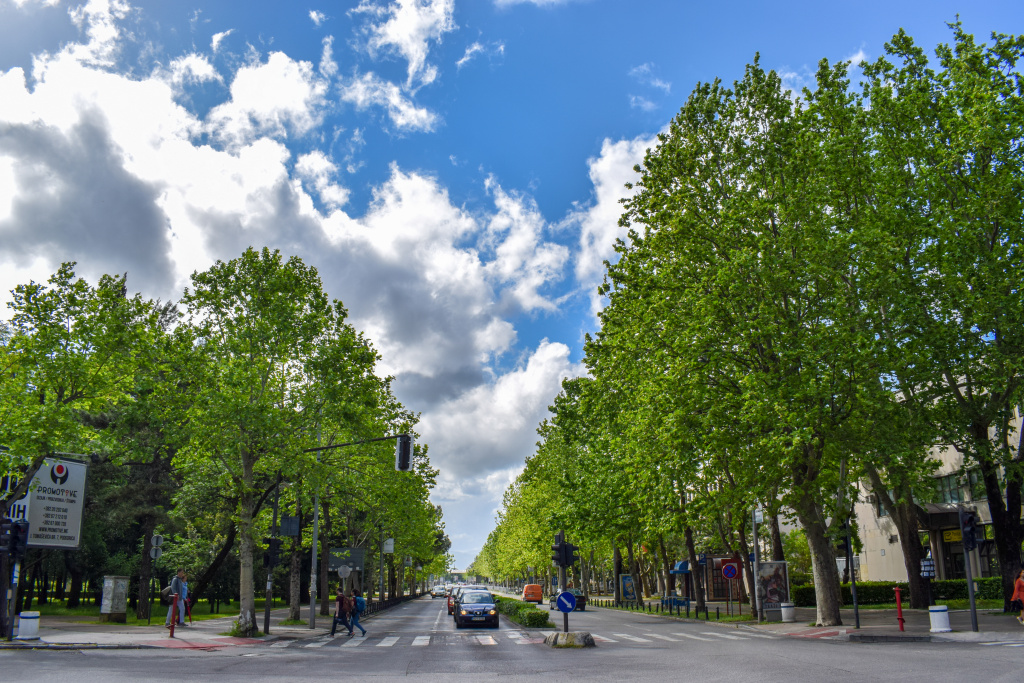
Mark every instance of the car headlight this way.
pixel 493 611
pixel 463 612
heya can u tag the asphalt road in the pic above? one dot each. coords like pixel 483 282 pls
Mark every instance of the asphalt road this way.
pixel 419 640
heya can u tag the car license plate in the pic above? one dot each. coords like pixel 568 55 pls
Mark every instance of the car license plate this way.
pixel 478 618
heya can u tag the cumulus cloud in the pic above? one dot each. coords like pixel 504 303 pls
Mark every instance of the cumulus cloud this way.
pixel 192 68
pixel 471 51
pixel 274 98
pixel 407 27
pixel 598 222
pixel 317 17
pixel 642 103
pixel 370 90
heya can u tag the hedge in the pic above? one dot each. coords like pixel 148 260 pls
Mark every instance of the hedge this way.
pixel 881 592
pixel 523 613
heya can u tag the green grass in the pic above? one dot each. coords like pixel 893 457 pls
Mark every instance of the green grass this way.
pixel 293 622
pixel 90 614
pixel 952 604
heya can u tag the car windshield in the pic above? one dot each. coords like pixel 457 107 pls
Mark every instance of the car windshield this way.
pixel 477 599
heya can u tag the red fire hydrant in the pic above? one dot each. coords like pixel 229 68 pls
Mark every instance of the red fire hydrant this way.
pixel 899 607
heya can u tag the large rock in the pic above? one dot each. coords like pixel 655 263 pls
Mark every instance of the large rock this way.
pixel 570 639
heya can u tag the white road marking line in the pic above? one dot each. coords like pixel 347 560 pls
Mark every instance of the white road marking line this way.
pixel 764 635
pixel 515 635
pixel 354 642
pixel 602 639
pixel 286 643
pixel 388 642
pixel 1015 645
pixel 629 637
pixel 318 643
pixel 660 637
pixel 548 633
pixel 485 640
pixel 445 609
pixel 690 635
pixel 723 635
pixel 420 641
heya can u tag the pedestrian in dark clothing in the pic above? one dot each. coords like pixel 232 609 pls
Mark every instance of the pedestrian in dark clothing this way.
pixel 1017 601
pixel 340 613
pixel 358 607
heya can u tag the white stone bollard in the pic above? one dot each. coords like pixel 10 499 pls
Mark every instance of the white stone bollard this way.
pixel 939 615
pixel 28 626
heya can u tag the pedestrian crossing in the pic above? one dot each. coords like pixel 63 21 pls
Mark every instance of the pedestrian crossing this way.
pixel 514 637
pixel 1004 644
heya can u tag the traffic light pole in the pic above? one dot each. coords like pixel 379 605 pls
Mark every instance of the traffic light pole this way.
pixel 967 567
pixel 15 574
pixel 270 567
pixel 562 585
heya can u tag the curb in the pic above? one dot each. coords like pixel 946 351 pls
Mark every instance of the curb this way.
pixel 887 638
pixel 76 646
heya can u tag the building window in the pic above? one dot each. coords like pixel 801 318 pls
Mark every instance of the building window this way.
pixel 977 485
pixel 948 489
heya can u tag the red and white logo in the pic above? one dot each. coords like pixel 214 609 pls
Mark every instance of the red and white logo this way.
pixel 59 473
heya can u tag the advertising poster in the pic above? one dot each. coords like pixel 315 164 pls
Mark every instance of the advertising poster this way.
pixel 773 579
pixel 628 587
pixel 54 504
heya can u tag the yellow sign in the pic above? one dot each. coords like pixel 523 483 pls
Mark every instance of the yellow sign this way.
pixel 952 536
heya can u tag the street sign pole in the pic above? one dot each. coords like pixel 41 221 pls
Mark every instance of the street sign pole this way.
pixel 967 568
pixel 270 568
pixel 853 575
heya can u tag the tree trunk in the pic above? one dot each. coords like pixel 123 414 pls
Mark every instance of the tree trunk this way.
pixel 325 560
pixel 823 563
pixel 634 568
pixel 904 515
pixel 695 575
pixel 748 571
pixel 246 624
pixel 145 568
pixel 295 582
pixel 617 570
pixel 778 552
pixel 198 587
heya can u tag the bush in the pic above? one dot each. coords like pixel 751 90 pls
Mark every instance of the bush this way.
pixel 523 613
pixel 881 592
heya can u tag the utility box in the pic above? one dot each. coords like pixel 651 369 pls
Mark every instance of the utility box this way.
pixel 114 605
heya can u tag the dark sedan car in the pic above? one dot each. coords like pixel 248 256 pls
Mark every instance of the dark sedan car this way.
pixel 476 608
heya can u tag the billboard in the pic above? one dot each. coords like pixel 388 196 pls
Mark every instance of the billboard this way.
pixel 54 504
pixel 773 580
pixel 628 587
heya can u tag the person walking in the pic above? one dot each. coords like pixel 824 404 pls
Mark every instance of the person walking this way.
pixel 340 613
pixel 358 607
pixel 179 585
pixel 1017 601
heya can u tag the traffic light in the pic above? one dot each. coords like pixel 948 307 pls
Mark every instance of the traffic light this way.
pixel 19 540
pixel 558 550
pixel 572 554
pixel 272 556
pixel 6 526
pixel 969 530
pixel 403 453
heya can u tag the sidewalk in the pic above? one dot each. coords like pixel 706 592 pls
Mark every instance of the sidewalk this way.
pixel 67 633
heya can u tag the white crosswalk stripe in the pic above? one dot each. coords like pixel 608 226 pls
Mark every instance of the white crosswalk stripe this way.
pixel 635 639
pixel 762 635
pixel 388 642
pixel 318 643
pixel 693 637
pixel 723 635
pixel 420 641
pixel 661 637
pixel 354 642
pixel 281 643
pixel 602 639
pixel 485 640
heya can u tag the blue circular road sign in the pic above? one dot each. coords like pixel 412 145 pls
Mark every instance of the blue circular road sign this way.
pixel 566 602
pixel 729 571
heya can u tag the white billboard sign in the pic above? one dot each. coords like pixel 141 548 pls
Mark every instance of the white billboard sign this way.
pixel 53 506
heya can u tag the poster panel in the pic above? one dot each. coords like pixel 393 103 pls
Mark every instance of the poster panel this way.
pixel 54 504
pixel 628 587
pixel 773 578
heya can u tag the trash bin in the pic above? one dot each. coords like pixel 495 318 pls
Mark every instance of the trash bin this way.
pixel 788 612
pixel 28 626
pixel 939 616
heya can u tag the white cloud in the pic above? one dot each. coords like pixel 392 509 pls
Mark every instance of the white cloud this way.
pixel 317 17
pixel 192 68
pixel 317 170
pixel 599 222
pixel 857 57
pixel 218 38
pixel 642 103
pixel 471 51
pixel 369 90
pixel 98 19
pixel 538 3
pixel 645 74
pixel 408 27
pixel 272 98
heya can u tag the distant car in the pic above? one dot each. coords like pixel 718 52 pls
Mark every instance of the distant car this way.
pixel 581 600
pixel 453 597
pixel 436 592
pixel 476 608
pixel 532 592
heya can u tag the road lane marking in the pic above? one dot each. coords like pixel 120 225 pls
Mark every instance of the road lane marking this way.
pixel 548 633
pixel 660 637
pixel 282 643
pixel 485 640
pixel 388 642
pixel 420 641
pixel 764 635
pixel 439 613
pixel 629 637
pixel 354 642
pixel 602 639
pixel 723 635
pixel 689 635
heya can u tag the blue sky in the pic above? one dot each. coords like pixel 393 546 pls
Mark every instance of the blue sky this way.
pixel 452 167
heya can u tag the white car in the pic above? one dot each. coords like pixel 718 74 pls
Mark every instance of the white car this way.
pixel 437 592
